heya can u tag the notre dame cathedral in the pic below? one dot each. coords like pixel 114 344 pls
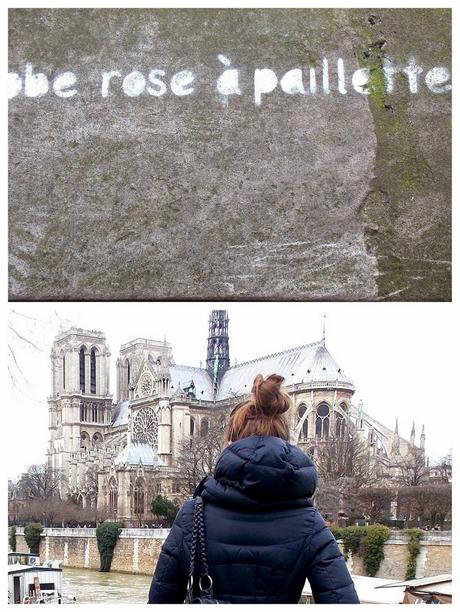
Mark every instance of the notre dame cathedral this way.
pixel 119 456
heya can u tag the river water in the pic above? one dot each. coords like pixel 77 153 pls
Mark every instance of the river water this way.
pixel 91 586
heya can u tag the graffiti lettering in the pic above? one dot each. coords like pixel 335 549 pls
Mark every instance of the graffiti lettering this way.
pixel 228 82
pixel 298 81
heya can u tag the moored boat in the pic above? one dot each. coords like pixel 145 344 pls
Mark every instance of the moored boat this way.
pixel 31 582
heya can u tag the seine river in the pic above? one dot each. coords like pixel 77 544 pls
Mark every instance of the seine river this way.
pixel 90 586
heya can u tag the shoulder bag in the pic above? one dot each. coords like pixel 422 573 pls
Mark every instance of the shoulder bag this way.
pixel 199 561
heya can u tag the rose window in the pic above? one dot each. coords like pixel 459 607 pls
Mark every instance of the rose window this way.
pixel 146 427
pixel 146 385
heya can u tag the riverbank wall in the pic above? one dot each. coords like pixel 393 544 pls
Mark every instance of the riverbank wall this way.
pixel 137 551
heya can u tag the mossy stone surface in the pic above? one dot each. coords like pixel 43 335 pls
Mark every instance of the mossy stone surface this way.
pixel 334 197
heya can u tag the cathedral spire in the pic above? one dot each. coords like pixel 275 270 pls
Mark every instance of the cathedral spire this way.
pixel 422 438
pixel 360 415
pixel 396 443
pixel 218 355
pixel 412 434
pixel 324 328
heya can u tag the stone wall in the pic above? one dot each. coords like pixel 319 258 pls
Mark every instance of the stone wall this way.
pixel 230 153
pixel 21 545
pixel 137 552
pixel 435 557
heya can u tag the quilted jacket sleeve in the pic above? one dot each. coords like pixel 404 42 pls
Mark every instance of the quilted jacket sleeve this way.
pixel 169 582
pixel 327 571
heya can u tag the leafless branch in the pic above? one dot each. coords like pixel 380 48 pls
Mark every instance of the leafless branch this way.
pixel 24 339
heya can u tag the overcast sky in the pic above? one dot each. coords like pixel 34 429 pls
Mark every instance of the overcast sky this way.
pixel 399 356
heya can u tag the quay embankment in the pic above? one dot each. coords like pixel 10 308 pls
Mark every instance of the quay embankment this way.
pixel 137 551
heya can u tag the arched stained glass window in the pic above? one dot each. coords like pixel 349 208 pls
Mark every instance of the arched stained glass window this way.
pixel 304 431
pixel 113 496
pixel 204 428
pixel 322 421
pixel 97 440
pixel 139 497
pixel 84 440
pixel 82 370
pixel 93 371
pixel 340 425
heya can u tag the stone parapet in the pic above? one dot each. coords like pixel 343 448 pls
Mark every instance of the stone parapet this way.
pixel 137 551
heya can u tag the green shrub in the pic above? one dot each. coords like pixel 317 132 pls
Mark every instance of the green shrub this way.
pixel 162 506
pixel 337 532
pixel 12 538
pixel 352 538
pixel 107 535
pixel 372 548
pixel 367 542
pixel 415 535
pixel 32 533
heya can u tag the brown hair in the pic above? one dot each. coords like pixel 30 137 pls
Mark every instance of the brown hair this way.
pixel 262 415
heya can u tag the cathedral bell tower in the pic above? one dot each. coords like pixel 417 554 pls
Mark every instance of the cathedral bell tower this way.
pixel 218 355
pixel 80 404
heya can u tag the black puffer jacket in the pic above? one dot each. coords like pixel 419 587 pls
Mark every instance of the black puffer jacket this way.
pixel 263 534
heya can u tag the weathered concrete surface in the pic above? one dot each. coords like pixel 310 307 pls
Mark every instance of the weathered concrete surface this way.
pixel 340 197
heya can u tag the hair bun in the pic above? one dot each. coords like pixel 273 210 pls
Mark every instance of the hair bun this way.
pixel 269 398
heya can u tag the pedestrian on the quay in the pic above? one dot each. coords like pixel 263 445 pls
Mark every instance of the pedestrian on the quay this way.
pixel 251 529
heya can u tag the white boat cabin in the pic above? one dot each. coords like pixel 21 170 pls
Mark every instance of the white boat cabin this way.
pixel 31 582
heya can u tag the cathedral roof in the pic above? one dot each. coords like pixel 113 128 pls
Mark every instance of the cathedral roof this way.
pixel 120 415
pixel 183 375
pixel 310 364
pixel 136 452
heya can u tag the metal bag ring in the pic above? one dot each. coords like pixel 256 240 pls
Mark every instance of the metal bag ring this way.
pixel 200 583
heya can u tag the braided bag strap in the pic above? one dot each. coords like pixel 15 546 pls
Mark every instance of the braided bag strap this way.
pixel 199 544
pixel 199 509
pixel 196 519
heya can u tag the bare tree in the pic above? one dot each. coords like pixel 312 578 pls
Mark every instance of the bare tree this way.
pixel 49 511
pixel 443 468
pixel 345 456
pixel 91 488
pixel 332 499
pixel 425 504
pixel 40 482
pixel 444 504
pixel 15 370
pixel 412 469
pixel 375 502
pixel 53 511
pixel 198 454
pixel 345 465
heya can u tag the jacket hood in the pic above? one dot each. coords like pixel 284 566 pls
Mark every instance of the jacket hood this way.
pixel 261 471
